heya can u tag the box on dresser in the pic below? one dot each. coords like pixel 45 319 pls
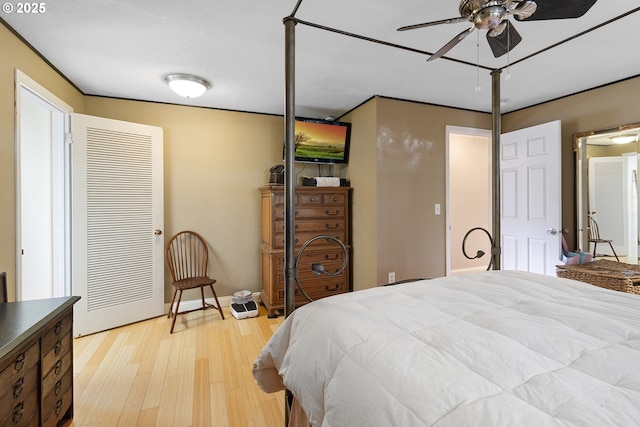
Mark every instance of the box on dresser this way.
pixel 318 211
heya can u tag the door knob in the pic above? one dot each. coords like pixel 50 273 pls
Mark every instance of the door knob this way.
pixel 158 232
pixel 552 231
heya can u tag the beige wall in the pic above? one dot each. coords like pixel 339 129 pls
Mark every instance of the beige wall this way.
pixel 600 108
pixel 412 239
pixel 362 172
pixel 14 54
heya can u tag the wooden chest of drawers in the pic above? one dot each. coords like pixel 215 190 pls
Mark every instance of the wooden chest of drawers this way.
pixel 36 362
pixel 318 211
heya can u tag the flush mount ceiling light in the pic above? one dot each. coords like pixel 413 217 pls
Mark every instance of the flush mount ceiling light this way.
pixel 624 139
pixel 187 85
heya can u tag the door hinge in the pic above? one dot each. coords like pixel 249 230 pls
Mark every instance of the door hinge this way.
pixel 68 138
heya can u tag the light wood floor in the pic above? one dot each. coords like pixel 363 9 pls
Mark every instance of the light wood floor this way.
pixel 140 375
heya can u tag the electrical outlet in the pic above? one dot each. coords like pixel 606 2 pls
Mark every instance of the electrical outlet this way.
pixel 437 209
pixel 392 277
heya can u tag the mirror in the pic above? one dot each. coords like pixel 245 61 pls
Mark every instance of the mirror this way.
pixel 607 191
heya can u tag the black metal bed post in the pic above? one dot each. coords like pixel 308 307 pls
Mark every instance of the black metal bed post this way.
pixel 495 166
pixel 289 184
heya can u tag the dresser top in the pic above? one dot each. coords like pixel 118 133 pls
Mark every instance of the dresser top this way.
pixel 21 320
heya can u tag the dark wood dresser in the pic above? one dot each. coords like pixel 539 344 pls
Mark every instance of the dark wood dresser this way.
pixel 36 362
pixel 318 211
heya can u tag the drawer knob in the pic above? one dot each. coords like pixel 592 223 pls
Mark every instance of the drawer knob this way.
pixel 58 387
pixel 58 328
pixel 334 288
pixel 18 410
pixel 19 363
pixel 57 347
pixel 17 387
pixel 58 367
pixel 332 227
pixel 313 199
pixel 334 213
pixel 58 407
pixel 328 258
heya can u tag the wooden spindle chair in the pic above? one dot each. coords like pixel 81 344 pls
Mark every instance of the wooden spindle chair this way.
pixel 187 257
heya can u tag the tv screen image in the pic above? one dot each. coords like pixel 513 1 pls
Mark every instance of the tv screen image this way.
pixel 321 141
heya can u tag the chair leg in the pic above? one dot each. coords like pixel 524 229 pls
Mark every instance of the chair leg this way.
pixel 217 302
pixel 172 301
pixel 204 304
pixel 595 245
pixel 614 252
pixel 175 314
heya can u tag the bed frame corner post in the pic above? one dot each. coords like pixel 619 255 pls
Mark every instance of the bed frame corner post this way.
pixel 289 179
pixel 495 166
pixel 289 183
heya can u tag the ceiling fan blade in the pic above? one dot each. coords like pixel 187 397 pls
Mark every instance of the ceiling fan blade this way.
pixel 559 9
pixel 454 41
pixel 429 24
pixel 505 41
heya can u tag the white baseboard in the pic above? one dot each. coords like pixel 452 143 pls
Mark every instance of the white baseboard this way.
pixel 194 304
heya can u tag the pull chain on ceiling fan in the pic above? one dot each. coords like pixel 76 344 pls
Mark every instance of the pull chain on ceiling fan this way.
pixel 493 16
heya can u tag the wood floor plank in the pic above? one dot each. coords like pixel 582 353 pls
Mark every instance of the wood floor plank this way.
pixel 153 394
pixel 202 394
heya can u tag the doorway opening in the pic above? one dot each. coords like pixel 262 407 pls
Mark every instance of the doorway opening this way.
pixel 42 193
pixel 469 198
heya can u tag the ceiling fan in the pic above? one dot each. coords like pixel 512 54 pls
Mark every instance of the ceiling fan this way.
pixel 493 15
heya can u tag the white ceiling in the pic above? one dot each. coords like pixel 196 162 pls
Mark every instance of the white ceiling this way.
pixel 123 48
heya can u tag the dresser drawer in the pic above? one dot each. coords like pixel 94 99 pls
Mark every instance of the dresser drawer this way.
pixel 302 213
pixel 319 225
pixel 19 366
pixel 53 335
pixel 60 407
pixel 310 256
pixel 23 412
pixel 302 236
pixel 53 358
pixel 305 272
pixel 314 198
pixel 17 393
pixel 57 371
pixel 316 289
pixel 55 386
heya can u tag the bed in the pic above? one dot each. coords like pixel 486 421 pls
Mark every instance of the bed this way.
pixel 498 348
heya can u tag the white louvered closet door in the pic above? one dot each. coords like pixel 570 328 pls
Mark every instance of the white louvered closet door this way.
pixel 117 217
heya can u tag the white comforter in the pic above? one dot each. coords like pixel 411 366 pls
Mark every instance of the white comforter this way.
pixel 500 348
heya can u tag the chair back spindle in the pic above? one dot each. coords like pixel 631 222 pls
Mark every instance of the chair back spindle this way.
pixel 187 256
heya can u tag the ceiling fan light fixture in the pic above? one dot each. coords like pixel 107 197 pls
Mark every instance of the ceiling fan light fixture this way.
pixel 187 85
pixel 624 139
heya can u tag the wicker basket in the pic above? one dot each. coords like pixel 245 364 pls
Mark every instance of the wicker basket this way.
pixel 604 273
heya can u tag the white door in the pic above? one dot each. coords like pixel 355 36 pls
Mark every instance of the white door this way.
pixel 42 261
pixel 531 209
pixel 117 221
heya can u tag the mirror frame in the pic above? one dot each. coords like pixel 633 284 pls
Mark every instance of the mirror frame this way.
pixel 582 232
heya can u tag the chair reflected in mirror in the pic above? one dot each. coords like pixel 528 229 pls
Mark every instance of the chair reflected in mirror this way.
pixel 594 237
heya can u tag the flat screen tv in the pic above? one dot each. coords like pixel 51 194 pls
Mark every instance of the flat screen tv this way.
pixel 321 141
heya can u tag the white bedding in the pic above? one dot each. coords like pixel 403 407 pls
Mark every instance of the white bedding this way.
pixel 500 348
